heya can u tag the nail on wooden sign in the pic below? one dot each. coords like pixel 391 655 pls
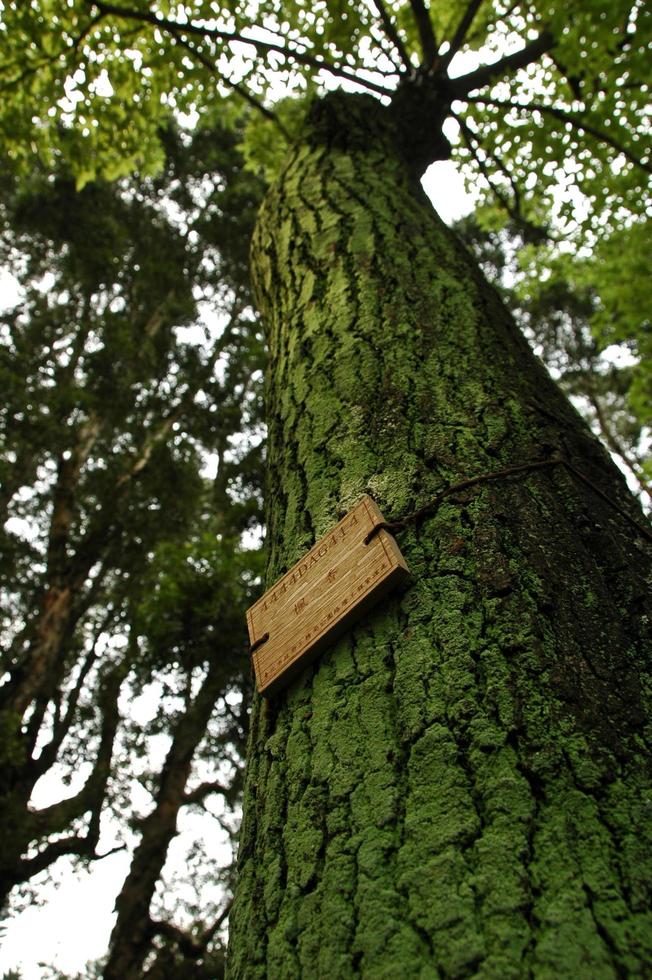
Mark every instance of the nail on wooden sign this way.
pixel 314 603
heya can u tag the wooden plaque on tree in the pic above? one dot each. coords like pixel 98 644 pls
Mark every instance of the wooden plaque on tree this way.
pixel 314 603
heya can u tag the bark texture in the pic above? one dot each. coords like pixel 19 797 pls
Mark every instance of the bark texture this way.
pixel 460 787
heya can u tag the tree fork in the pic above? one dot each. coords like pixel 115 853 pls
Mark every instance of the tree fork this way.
pixel 460 786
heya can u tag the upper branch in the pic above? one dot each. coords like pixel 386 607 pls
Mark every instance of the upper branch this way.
pixel 460 87
pixel 187 944
pixel 568 117
pixel 238 88
pixel 473 145
pixel 205 789
pixel 392 33
pixel 426 32
pixel 262 47
pixel 462 30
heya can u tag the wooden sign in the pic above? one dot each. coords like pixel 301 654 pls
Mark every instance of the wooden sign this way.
pixel 339 579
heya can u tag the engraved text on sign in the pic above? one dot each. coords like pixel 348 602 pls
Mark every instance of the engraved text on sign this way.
pixel 322 595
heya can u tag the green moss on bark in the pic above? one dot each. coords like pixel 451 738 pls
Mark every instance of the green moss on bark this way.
pixel 460 786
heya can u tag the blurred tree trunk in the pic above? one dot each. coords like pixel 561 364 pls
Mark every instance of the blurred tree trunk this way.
pixel 131 938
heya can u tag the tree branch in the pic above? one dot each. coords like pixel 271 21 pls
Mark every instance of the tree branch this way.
pixel 574 81
pixel 63 504
pixel 74 846
pixel 186 944
pixel 566 117
pixel 189 946
pixel 426 32
pixel 473 145
pixel 461 32
pixel 62 723
pixel 261 47
pixel 129 941
pixel 53 818
pixel 392 33
pixel 205 789
pixel 239 89
pixel 460 87
pixel 613 441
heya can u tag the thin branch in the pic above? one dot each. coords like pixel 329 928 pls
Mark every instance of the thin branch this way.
pixel 568 117
pixel 498 162
pixel 613 441
pixel 90 798
pixel 506 14
pixel 392 33
pixel 62 724
pixel 220 919
pixel 574 81
pixel 235 717
pixel 31 734
pixel 158 829
pixel 473 144
pixel 205 789
pixel 377 35
pixel 152 439
pixel 150 443
pixel 460 87
pixel 461 32
pixel 93 22
pixel 112 850
pixel 238 88
pixel 76 846
pixel 262 48
pixel 186 944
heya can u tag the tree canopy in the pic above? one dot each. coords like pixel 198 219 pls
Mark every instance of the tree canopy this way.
pixel 542 96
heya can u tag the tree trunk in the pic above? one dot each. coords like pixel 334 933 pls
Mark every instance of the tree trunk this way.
pixel 460 786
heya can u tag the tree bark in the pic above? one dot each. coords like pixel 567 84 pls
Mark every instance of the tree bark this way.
pixel 460 786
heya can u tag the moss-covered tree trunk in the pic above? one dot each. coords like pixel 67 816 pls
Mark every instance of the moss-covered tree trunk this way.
pixel 459 787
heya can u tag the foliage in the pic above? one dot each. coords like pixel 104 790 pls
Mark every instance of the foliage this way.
pixel 589 320
pixel 560 98
pixel 607 347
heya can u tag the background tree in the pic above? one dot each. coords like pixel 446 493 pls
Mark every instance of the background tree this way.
pixel 112 410
pixel 192 622
pixel 453 788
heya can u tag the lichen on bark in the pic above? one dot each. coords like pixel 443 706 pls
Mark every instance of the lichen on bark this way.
pixel 460 787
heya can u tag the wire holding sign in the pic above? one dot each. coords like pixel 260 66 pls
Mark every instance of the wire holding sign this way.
pixel 320 597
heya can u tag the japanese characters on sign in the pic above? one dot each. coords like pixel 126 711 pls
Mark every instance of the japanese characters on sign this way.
pixel 318 599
